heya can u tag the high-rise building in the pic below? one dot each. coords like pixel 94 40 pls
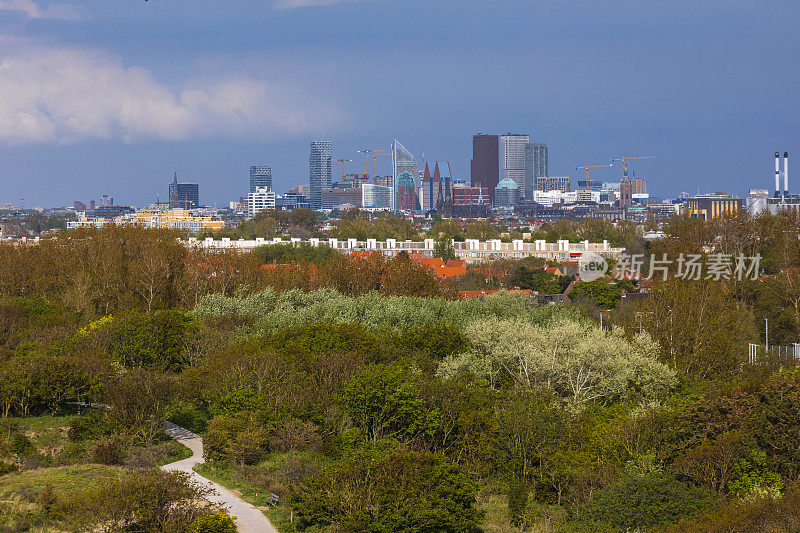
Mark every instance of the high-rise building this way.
pixel 485 164
pixel 555 183
pixel 512 158
pixel 260 176
pixel 106 200
pixel 536 165
pixel 402 161
pixel 260 199
pixel 184 195
pixel 506 194
pixel 303 190
pixel 385 181
pixel 319 171
pixel 406 197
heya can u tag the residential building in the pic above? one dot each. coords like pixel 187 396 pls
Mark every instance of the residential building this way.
pixel 471 251
pixel 485 162
pixel 512 158
pixel 555 183
pixel 106 200
pixel 506 194
pixel 260 176
pixel 177 218
pixel 319 171
pixel 536 166
pixel 260 199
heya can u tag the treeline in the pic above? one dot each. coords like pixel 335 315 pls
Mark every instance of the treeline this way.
pixel 117 268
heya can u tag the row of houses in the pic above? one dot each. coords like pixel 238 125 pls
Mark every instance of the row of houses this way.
pixel 470 250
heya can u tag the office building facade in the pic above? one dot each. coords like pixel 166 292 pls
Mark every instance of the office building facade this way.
pixel 555 183
pixel 260 176
pixel 319 171
pixel 402 161
pixel 512 158
pixel 377 197
pixel 183 195
pixel 485 164
pixel 506 194
pixel 405 192
pixel 536 166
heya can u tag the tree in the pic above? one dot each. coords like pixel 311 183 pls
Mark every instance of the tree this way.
pixel 405 491
pixel 571 358
pixel 443 247
pixel 383 401
pixel 603 294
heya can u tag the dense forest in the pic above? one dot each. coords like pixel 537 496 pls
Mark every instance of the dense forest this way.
pixel 360 393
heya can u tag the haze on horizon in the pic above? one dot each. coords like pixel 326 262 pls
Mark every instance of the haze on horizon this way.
pixel 108 98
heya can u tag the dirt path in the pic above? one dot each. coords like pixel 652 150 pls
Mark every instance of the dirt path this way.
pixel 249 519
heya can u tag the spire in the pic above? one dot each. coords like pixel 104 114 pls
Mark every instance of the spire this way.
pixel 427 175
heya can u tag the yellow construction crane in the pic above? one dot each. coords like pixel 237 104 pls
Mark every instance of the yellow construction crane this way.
pixel 343 161
pixel 374 154
pixel 587 166
pixel 625 158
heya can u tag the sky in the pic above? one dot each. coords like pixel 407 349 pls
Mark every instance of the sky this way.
pixel 111 96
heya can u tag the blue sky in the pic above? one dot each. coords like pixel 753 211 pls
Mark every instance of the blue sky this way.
pixel 108 96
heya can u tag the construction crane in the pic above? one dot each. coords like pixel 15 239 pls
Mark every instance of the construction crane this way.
pixel 374 154
pixel 343 161
pixel 625 158
pixel 587 166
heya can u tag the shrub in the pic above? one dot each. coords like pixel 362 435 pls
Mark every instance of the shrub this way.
pixel 642 502
pixel 404 491
pixel 108 452
pixel 212 523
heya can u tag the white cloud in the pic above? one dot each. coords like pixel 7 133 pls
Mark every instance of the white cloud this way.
pixel 54 11
pixel 68 95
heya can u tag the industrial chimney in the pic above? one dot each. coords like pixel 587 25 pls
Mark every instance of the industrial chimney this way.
pixel 786 174
pixel 777 174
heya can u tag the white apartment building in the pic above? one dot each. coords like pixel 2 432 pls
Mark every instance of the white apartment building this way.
pixel 261 199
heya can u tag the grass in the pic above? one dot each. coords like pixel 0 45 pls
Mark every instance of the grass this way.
pixel 64 479
pixel 231 481
pixel 48 433
pixel 180 452
pixel 542 518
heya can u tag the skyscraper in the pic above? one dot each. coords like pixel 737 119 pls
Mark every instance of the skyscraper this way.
pixel 260 176
pixel 484 165
pixel 512 158
pixel 535 166
pixel 405 199
pixel 319 171
pixel 184 195
pixel 402 161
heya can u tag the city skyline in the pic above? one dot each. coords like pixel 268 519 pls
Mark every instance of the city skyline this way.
pixel 706 88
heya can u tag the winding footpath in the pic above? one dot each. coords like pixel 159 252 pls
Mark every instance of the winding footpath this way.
pixel 249 519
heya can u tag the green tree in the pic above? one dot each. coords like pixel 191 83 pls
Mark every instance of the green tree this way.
pixel 384 401
pixel 403 492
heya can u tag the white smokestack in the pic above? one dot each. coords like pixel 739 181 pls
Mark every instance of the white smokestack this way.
pixel 786 173
pixel 777 174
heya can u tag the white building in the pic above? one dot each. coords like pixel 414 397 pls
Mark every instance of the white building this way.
pixel 261 199
pixel 512 158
